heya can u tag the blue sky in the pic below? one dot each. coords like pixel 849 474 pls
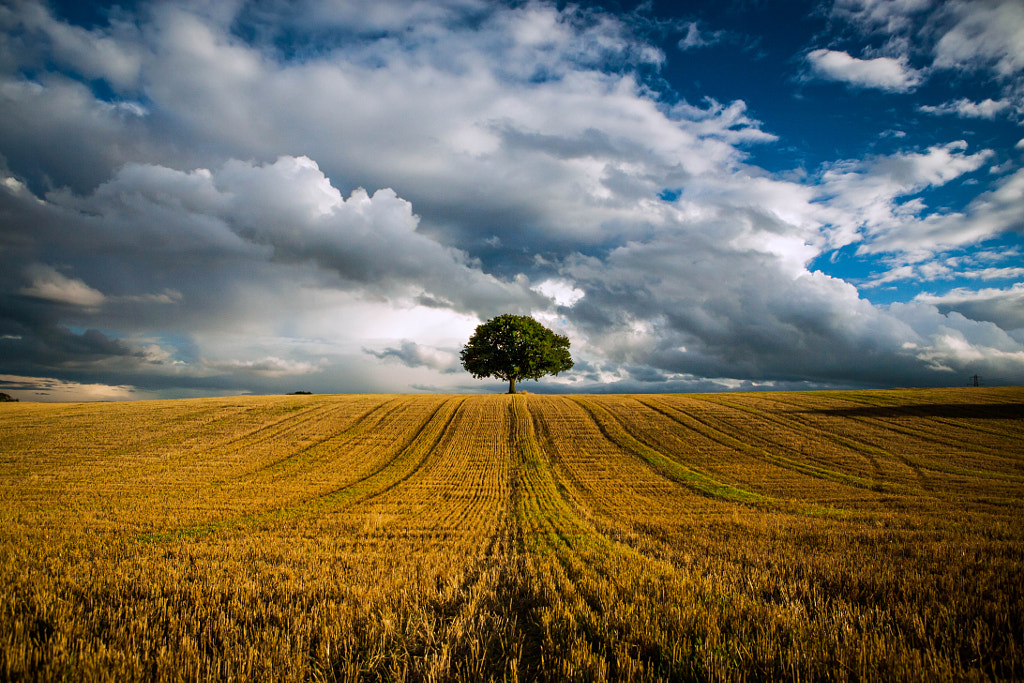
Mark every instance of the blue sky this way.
pixel 206 198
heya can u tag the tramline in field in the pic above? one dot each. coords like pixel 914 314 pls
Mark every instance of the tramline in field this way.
pixel 841 535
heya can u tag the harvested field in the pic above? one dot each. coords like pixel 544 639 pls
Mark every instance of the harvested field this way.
pixel 873 535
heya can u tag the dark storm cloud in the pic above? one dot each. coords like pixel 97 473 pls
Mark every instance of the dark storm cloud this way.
pixel 58 348
pixel 1005 307
pixel 684 305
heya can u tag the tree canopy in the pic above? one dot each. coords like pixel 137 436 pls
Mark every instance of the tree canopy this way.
pixel 514 348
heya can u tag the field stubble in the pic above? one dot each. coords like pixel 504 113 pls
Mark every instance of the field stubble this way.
pixel 833 535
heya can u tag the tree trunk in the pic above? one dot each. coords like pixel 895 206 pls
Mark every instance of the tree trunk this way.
pixel 512 386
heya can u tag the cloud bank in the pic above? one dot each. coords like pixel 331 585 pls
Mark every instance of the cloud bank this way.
pixel 213 198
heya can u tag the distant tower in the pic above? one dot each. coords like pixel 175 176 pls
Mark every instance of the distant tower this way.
pixel 976 380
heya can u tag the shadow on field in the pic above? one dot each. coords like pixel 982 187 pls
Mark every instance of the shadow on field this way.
pixel 977 411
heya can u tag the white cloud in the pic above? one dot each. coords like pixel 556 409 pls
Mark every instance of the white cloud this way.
pixel 271 366
pixel 989 214
pixel 112 54
pixel 888 16
pixel 58 124
pixel 884 73
pixel 515 163
pixel 48 389
pixel 289 211
pixel 695 38
pixel 986 109
pixel 938 270
pixel 729 123
pixel 897 274
pixel 967 35
pixel 371 242
pixel 984 34
pixel 953 353
pixel 995 274
pixel 650 313
pixel 1004 307
pixel 49 284
pixel 977 40
pixel 414 355
pixel 168 296
pixel 562 292
pixel 863 200
pixel 514 121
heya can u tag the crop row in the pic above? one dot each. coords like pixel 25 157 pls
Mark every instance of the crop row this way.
pixel 839 535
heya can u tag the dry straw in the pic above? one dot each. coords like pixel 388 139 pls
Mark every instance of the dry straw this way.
pixel 839 536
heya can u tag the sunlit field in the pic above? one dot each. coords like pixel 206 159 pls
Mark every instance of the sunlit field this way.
pixel 831 535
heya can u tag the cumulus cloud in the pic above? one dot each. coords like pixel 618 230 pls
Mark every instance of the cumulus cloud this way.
pixel 270 366
pixel 663 311
pixel 414 355
pixel 369 241
pixel 986 109
pixel 47 389
pixel 982 34
pixel 286 211
pixel 977 37
pixel 961 347
pixel 730 123
pixel 195 190
pixel 112 53
pixel 864 200
pixel 49 284
pixel 945 269
pixel 562 292
pixel 987 215
pixel 57 133
pixel 42 344
pixel 1004 307
pixel 522 90
pixel 884 73
pixel 247 246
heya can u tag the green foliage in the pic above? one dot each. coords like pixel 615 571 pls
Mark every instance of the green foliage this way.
pixel 514 348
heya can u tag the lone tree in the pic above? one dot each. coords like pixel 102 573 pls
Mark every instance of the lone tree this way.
pixel 515 347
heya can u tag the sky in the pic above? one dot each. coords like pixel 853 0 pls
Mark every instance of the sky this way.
pixel 224 197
